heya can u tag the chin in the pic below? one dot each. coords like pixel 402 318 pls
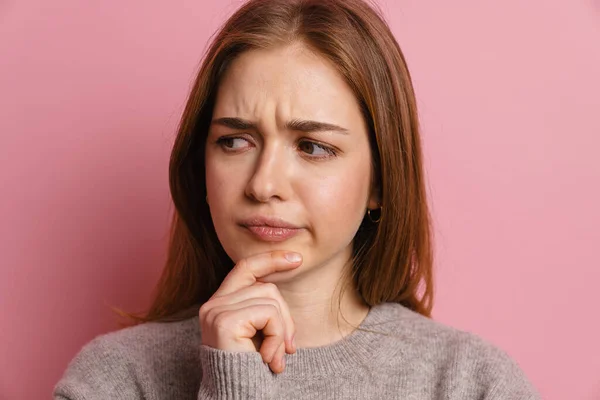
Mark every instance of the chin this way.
pixel 283 277
pixel 242 246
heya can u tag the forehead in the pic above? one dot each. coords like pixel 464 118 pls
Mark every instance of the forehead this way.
pixel 290 81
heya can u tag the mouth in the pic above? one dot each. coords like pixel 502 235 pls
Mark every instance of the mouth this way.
pixel 270 229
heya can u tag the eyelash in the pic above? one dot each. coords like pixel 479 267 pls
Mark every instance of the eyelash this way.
pixel 331 152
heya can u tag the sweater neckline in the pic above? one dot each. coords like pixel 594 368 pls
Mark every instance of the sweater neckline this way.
pixel 361 347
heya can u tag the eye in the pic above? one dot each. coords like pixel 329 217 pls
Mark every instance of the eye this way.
pixel 232 143
pixel 316 150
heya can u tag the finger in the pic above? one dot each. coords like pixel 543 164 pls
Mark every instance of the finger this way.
pixel 243 320
pixel 248 270
pixel 271 290
pixel 265 290
pixel 273 345
pixel 278 363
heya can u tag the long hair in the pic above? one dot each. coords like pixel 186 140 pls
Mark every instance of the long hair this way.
pixel 392 260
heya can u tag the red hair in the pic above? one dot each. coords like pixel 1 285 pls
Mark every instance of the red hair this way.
pixel 392 259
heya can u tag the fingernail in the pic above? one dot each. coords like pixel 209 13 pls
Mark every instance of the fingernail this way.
pixel 293 257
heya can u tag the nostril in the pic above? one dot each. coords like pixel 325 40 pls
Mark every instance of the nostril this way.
pixel 270 180
pixel 259 191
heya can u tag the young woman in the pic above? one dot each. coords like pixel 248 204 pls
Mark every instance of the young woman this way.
pixel 300 261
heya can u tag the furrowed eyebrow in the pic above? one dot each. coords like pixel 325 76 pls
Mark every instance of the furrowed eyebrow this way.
pixel 301 125
pixel 234 123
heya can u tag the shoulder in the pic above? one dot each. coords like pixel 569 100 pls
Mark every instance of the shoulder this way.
pixel 124 363
pixel 457 360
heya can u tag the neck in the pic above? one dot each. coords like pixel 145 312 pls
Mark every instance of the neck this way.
pixel 324 308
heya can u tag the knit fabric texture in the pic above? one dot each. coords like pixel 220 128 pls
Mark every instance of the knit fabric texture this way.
pixel 394 354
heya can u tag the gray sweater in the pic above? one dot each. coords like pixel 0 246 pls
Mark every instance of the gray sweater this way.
pixel 395 354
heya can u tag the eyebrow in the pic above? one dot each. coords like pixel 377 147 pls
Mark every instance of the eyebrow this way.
pixel 301 125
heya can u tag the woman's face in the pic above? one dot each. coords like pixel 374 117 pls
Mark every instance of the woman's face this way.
pixel 288 163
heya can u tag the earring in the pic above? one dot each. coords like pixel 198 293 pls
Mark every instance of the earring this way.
pixel 375 220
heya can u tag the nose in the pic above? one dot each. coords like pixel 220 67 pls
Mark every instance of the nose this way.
pixel 271 177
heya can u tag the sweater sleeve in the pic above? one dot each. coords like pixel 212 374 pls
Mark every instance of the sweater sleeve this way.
pixel 511 383
pixel 98 371
pixel 480 370
pixel 234 375
pixel 506 380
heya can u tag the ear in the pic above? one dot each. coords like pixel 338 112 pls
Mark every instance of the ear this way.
pixel 374 198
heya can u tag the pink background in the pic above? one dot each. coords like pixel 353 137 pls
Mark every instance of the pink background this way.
pixel 91 92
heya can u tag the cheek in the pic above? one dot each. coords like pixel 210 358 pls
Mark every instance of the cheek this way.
pixel 222 180
pixel 222 188
pixel 337 201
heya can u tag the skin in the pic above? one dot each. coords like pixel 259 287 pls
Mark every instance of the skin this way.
pixel 318 180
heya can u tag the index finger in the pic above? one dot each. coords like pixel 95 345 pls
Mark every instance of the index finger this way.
pixel 248 270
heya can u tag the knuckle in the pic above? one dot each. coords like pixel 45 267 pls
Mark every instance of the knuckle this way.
pixel 272 304
pixel 242 265
pixel 271 290
pixel 204 310
pixel 211 315
pixel 221 321
pixel 277 331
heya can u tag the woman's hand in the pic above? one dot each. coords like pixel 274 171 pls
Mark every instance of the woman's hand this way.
pixel 243 306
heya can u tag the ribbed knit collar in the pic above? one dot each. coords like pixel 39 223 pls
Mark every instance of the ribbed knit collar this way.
pixel 360 347
pixel 366 346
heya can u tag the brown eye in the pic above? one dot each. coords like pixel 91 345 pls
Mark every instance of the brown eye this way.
pixel 315 150
pixel 227 142
pixel 307 147
pixel 233 143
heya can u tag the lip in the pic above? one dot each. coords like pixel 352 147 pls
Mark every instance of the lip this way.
pixel 270 229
